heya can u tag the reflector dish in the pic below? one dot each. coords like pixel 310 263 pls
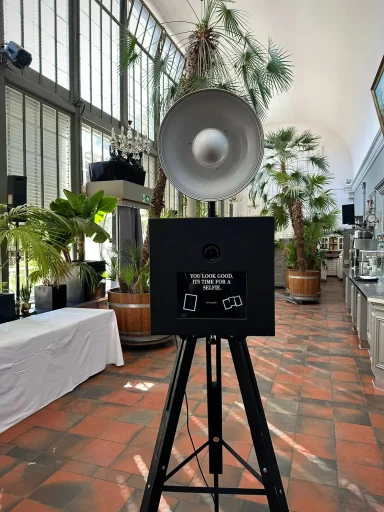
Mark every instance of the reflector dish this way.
pixel 211 145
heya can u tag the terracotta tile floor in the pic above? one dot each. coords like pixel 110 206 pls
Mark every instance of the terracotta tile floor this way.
pixel 89 451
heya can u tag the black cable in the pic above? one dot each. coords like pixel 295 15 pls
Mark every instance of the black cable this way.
pixel 191 439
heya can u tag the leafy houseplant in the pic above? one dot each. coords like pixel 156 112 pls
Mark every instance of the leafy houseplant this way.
pixel 25 295
pixel 299 197
pixel 220 53
pixel 83 215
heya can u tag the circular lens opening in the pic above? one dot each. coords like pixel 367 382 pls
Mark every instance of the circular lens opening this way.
pixel 211 253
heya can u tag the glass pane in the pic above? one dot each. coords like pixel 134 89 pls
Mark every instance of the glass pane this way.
pixel 97 146
pixel 49 155
pixel 31 42
pixel 33 151
pixel 155 41
pixel 48 19
pixel 106 144
pixel 64 124
pixel 86 143
pixel 62 9
pixel 48 56
pixel 12 21
pixel 116 8
pixel 15 130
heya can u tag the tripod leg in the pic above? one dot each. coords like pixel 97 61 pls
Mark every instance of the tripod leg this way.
pixel 258 425
pixel 167 432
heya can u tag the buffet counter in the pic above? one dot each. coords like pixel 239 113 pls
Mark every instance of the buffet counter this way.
pixel 365 303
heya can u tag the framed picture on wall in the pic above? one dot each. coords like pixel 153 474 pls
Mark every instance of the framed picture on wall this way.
pixel 377 90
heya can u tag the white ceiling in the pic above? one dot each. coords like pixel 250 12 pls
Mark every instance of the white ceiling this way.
pixel 336 48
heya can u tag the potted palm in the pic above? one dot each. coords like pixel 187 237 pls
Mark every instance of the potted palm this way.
pixel 221 52
pixel 31 229
pixel 296 192
pixel 83 216
pixel 131 300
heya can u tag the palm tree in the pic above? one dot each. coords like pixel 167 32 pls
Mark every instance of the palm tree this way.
pixel 31 229
pixel 220 53
pixel 287 190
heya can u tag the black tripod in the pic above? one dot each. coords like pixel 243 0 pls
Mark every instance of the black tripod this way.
pixel 270 475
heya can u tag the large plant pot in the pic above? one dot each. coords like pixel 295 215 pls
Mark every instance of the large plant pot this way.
pixel 133 313
pixel 304 286
pixel 287 270
pixel 51 297
pixel 7 307
pixel 78 292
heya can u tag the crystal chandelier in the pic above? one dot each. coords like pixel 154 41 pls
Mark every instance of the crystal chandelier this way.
pixel 127 145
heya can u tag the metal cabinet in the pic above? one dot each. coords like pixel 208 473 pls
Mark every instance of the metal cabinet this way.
pixel 361 319
pixel 377 343
pixel 348 294
pixel 353 304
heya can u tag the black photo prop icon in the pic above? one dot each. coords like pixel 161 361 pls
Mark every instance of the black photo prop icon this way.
pixel 212 276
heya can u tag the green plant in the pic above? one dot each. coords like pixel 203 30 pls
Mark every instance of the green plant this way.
pixel 297 193
pixel 25 292
pixel 32 229
pixel 220 53
pixel 83 215
pixel 133 277
pixel 4 288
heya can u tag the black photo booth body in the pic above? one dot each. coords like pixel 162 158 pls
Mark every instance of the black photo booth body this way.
pixel 193 295
pixel 213 278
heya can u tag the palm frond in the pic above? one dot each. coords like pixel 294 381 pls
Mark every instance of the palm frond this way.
pixel 279 68
pixel 129 53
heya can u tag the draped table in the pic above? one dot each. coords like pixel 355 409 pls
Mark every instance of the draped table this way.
pixel 43 357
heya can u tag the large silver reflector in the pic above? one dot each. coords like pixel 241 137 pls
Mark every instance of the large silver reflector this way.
pixel 211 145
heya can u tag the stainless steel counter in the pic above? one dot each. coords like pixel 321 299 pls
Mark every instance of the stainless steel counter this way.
pixel 373 292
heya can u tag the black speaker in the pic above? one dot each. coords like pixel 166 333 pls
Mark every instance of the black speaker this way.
pixel 16 191
pixel 348 212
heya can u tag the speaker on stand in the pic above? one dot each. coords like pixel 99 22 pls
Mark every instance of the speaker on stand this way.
pixel 211 145
pixel 16 196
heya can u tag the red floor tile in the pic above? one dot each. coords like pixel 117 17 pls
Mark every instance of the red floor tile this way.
pixel 309 496
pixel 366 454
pixel 54 419
pixel 323 447
pixel 14 432
pixel 355 433
pixel 101 496
pixel 120 432
pixel 316 411
pixel 99 452
pixel 35 438
pixel 315 427
pixel 8 502
pixel 91 426
pixel 377 419
pixel 24 479
pixel 125 397
pixel 33 506
pixel 362 478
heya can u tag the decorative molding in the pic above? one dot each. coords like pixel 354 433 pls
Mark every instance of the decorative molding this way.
pixel 380 187
pixel 373 152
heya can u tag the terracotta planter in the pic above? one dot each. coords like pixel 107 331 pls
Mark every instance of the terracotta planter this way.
pixel 133 313
pixel 287 270
pixel 304 286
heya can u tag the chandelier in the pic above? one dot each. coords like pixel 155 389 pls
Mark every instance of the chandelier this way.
pixel 127 145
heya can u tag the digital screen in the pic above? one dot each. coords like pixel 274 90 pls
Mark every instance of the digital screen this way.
pixel 212 295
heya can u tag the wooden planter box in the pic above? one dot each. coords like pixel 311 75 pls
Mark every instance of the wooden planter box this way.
pixel 304 286
pixel 133 313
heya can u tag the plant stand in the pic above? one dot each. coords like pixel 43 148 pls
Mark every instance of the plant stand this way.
pixel 145 341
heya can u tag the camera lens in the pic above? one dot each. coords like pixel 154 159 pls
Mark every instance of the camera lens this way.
pixel 211 253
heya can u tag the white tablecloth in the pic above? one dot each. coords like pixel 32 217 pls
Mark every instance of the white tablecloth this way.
pixel 43 357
